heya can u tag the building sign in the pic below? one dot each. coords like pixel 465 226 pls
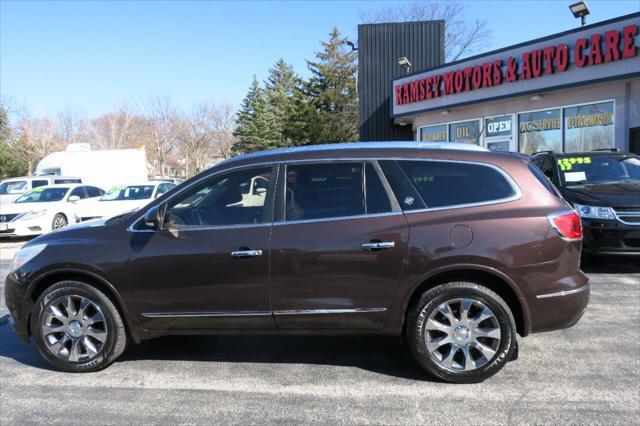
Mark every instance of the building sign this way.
pixel 465 132
pixel 434 133
pixel 497 126
pixel 601 51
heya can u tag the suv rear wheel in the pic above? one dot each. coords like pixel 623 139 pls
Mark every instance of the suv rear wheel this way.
pixel 77 328
pixel 461 332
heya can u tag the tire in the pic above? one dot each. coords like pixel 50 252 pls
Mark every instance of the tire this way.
pixel 94 314
pixel 479 347
pixel 59 221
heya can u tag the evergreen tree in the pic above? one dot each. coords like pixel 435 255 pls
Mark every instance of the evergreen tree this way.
pixel 257 126
pixel 332 93
pixel 281 88
pixel 5 130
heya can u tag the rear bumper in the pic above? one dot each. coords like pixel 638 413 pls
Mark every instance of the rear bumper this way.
pixel 561 307
pixel 610 237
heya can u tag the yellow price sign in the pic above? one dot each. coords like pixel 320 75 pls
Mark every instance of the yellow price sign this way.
pixel 567 163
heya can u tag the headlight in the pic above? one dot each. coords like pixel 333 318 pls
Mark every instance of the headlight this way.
pixel 24 255
pixel 594 212
pixel 31 215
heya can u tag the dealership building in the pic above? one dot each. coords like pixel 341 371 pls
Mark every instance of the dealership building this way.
pixel 574 91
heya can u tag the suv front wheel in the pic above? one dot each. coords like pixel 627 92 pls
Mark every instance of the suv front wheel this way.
pixel 77 328
pixel 461 332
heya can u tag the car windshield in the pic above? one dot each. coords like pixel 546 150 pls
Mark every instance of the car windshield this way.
pixel 598 169
pixel 13 187
pixel 43 195
pixel 131 192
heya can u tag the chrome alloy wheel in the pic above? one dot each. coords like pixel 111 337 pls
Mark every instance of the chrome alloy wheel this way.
pixel 462 334
pixel 74 328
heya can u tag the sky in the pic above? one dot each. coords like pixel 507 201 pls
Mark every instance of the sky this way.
pixel 89 56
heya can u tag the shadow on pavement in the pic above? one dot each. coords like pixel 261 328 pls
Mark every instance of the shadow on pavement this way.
pixel 610 265
pixel 380 354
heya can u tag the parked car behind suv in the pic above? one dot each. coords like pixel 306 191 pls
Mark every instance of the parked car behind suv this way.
pixel 458 250
pixel 11 189
pixel 604 188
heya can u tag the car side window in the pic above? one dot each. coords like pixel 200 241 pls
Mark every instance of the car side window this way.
pixel 92 191
pixel 79 192
pixel 448 184
pixel 161 190
pixel 37 183
pixel 230 199
pixel 325 190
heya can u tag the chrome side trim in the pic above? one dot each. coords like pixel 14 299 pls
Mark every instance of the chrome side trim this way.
pixel 563 293
pixel 205 314
pixel 335 219
pixel 327 311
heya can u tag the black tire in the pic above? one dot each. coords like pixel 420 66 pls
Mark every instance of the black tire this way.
pixel 59 221
pixel 429 301
pixel 116 337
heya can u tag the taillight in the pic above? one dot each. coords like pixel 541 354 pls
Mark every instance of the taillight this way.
pixel 567 224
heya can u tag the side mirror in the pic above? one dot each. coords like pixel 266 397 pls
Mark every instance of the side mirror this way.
pixel 74 198
pixel 154 217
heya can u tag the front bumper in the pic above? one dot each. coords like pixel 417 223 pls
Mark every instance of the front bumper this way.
pixel 22 228
pixel 610 237
pixel 16 300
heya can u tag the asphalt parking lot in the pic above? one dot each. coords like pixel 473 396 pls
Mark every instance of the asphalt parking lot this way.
pixel 587 374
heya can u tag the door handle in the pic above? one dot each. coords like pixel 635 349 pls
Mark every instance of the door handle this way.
pixel 246 253
pixel 382 245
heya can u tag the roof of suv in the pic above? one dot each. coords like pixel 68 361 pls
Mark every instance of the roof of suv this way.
pixel 343 150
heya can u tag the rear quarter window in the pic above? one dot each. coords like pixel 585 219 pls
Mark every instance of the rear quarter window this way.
pixel 543 180
pixel 450 184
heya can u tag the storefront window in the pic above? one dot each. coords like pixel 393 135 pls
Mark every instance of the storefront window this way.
pixel 540 131
pixel 497 126
pixel 465 132
pixel 434 133
pixel 588 127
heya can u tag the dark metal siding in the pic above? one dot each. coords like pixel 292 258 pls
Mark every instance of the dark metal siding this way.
pixel 379 47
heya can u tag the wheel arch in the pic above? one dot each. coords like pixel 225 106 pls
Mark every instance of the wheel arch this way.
pixel 45 281
pixel 488 277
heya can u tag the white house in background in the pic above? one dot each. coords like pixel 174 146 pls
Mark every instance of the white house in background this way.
pixel 102 168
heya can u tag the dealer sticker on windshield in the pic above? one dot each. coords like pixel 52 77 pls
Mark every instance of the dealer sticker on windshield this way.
pixel 568 162
pixel 575 176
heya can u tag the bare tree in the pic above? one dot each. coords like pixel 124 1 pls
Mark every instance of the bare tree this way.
pixel 462 37
pixel 119 129
pixel 165 128
pixel 72 128
pixel 224 123
pixel 35 138
pixel 196 137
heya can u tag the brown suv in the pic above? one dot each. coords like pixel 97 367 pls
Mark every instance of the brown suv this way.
pixel 456 249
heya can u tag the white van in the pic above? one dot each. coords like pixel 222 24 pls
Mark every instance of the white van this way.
pixel 12 188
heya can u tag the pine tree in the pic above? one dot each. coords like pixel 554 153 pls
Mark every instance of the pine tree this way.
pixel 332 93
pixel 257 126
pixel 281 88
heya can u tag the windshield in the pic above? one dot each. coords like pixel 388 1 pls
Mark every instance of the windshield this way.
pixel 43 195
pixel 598 169
pixel 132 192
pixel 13 187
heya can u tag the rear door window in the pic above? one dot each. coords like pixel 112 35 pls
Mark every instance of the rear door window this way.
pixel 450 184
pixel 326 190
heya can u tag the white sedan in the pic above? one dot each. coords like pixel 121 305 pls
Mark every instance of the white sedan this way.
pixel 122 199
pixel 44 209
